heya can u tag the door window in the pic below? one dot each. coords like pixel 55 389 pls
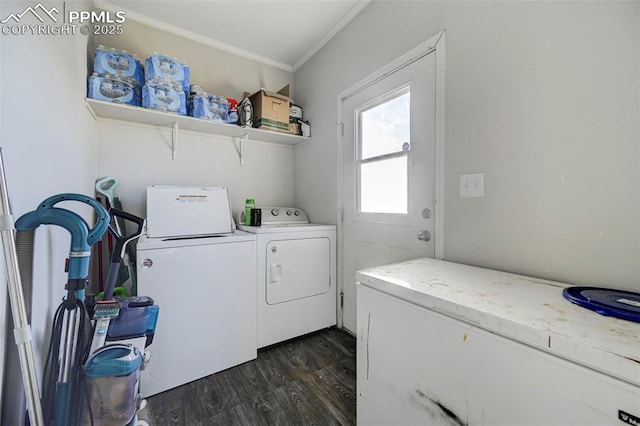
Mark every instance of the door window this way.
pixel 383 145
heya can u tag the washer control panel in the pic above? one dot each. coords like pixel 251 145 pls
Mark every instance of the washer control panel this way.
pixel 283 215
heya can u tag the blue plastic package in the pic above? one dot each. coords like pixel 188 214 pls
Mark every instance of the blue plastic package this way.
pixel 164 96
pixel 115 89
pixel 187 77
pixel 163 67
pixel 209 107
pixel 109 61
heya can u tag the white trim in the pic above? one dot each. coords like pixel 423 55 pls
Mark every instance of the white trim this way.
pixel 408 58
pixel 3 277
pixel 440 145
pixel 332 32
pixel 340 217
pixel 437 44
pixel 101 4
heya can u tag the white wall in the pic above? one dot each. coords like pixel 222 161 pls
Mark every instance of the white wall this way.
pixel 217 71
pixel 48 141
pixel 140 156
pixel 543 97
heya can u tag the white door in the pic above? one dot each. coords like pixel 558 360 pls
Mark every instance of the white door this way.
pixel 388 185
pixel 297 268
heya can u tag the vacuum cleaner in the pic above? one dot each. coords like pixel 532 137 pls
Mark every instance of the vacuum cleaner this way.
pixel 86 370
pixel 71 330
pixel 125 326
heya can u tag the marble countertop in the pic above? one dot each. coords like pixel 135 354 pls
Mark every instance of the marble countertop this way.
pixel 525 309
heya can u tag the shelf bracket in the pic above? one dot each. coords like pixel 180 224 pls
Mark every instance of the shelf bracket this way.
pixel 240 147
pixel 174 142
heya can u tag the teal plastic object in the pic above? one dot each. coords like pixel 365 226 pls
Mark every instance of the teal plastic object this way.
pixel 107 187
pixel 113 361
pixel 82 237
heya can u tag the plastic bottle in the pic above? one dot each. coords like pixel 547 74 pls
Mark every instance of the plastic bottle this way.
pixel 249 204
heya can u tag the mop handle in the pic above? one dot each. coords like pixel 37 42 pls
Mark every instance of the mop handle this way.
pixel 22 330
pixel 106 187
pixel 123 240
pixel 120 247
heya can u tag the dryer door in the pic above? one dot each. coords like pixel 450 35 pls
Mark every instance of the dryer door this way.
pixel 297 268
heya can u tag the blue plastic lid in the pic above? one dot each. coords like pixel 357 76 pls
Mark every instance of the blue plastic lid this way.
pixel 606 301
pixel 113 360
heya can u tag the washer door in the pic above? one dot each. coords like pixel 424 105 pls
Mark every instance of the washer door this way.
pixel 297 268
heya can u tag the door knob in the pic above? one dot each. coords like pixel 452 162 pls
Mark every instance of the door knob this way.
pixel 424 235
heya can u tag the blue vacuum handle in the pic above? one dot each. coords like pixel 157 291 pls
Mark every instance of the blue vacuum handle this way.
pixel 82 238
pixel 102 220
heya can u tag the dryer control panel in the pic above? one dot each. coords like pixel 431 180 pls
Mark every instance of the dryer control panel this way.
pixel 283 215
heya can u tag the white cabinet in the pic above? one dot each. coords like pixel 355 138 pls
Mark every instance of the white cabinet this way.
pixel 442 344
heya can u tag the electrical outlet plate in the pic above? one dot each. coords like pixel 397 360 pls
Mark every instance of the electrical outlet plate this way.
pixel 472 185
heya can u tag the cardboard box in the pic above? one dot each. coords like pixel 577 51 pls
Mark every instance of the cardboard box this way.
pixel 271 110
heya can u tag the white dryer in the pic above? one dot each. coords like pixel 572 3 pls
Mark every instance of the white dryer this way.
pixel 296 274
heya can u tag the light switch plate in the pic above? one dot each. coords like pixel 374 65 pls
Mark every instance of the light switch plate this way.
pixel 472 185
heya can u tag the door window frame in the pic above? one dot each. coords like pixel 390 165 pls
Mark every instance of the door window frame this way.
pixel 379 217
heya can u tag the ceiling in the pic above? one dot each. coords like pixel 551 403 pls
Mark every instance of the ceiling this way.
pixel 280 33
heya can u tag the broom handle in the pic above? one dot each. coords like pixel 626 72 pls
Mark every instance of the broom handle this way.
pixel 22 330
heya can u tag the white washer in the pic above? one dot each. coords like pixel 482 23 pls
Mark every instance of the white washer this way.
pixel 206 290
pixel 296 274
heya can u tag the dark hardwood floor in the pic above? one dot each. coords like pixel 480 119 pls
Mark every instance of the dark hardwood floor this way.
pixel 310 380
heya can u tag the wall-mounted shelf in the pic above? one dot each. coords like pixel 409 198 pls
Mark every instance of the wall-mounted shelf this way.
pixel 101 109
